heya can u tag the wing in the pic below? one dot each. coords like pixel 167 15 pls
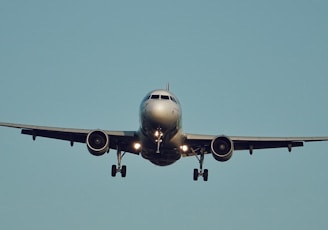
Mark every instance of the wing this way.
pixel 196 141
pixel 124 138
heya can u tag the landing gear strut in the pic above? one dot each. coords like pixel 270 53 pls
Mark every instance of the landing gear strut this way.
pixel 119 168
pixel 200 172
pixel 158 135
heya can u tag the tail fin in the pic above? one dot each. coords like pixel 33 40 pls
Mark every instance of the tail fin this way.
pixel 168 86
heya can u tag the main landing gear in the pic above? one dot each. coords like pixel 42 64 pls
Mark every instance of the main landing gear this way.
pixel 200 172
pixel 119 168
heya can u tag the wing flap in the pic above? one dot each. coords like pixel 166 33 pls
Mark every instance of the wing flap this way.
pixel 249 143
pixel 124 139
pixel 60 135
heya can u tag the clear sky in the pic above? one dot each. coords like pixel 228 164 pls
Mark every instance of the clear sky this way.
pixel 256 68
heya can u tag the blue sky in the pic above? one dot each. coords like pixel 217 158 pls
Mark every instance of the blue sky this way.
pixel 254 68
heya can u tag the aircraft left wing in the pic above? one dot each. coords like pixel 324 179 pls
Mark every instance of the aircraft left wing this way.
pixel 250 143
pixel 124 138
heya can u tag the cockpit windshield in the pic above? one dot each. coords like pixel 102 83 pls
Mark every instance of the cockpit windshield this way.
pixel 160 97
pixel 155 96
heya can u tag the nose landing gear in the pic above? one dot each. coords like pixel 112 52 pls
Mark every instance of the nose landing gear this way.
pixel 158 134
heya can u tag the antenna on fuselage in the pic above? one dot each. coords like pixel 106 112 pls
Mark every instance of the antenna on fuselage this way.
pixel 168 86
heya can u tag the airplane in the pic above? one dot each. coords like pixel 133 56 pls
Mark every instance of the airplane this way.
pixel 160 138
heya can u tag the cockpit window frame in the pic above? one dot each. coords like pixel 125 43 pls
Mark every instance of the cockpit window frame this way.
pixel 173 99
pixel 146 98
pixel 155 96
pixel 165 97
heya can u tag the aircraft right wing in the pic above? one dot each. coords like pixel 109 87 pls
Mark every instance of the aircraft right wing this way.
pixel 248 143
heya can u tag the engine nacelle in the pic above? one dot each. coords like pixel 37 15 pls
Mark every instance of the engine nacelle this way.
pixel 222 148
pixel 97 142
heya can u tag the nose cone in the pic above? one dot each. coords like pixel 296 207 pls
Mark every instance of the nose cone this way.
pixel 162 114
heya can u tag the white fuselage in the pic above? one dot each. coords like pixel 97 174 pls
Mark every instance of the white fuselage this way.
pixel 160 131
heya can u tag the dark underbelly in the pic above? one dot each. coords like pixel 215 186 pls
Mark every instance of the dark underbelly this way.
pixel 164 158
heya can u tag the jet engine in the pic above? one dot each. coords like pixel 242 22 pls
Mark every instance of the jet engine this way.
pixel 222 148
pixel 97 142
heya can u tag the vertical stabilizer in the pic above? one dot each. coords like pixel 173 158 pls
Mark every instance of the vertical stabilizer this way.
pixel 168 86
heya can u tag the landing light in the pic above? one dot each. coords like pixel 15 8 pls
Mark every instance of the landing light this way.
pixel 137 146
pixel 158 134
pixel 184 148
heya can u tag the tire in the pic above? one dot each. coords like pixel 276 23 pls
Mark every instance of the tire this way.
pixel 114 170
pixel 205 175
pixel 123 171
pixel 195 174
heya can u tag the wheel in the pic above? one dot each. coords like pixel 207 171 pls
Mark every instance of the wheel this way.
pixel 114 170
pixel 195 174
pixel 205 175
pixel 123 171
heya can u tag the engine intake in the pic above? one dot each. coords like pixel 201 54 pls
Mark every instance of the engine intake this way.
pixel 97 142
pixel 222 148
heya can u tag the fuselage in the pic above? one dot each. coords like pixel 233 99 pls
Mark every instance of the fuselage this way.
pixel 160 131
